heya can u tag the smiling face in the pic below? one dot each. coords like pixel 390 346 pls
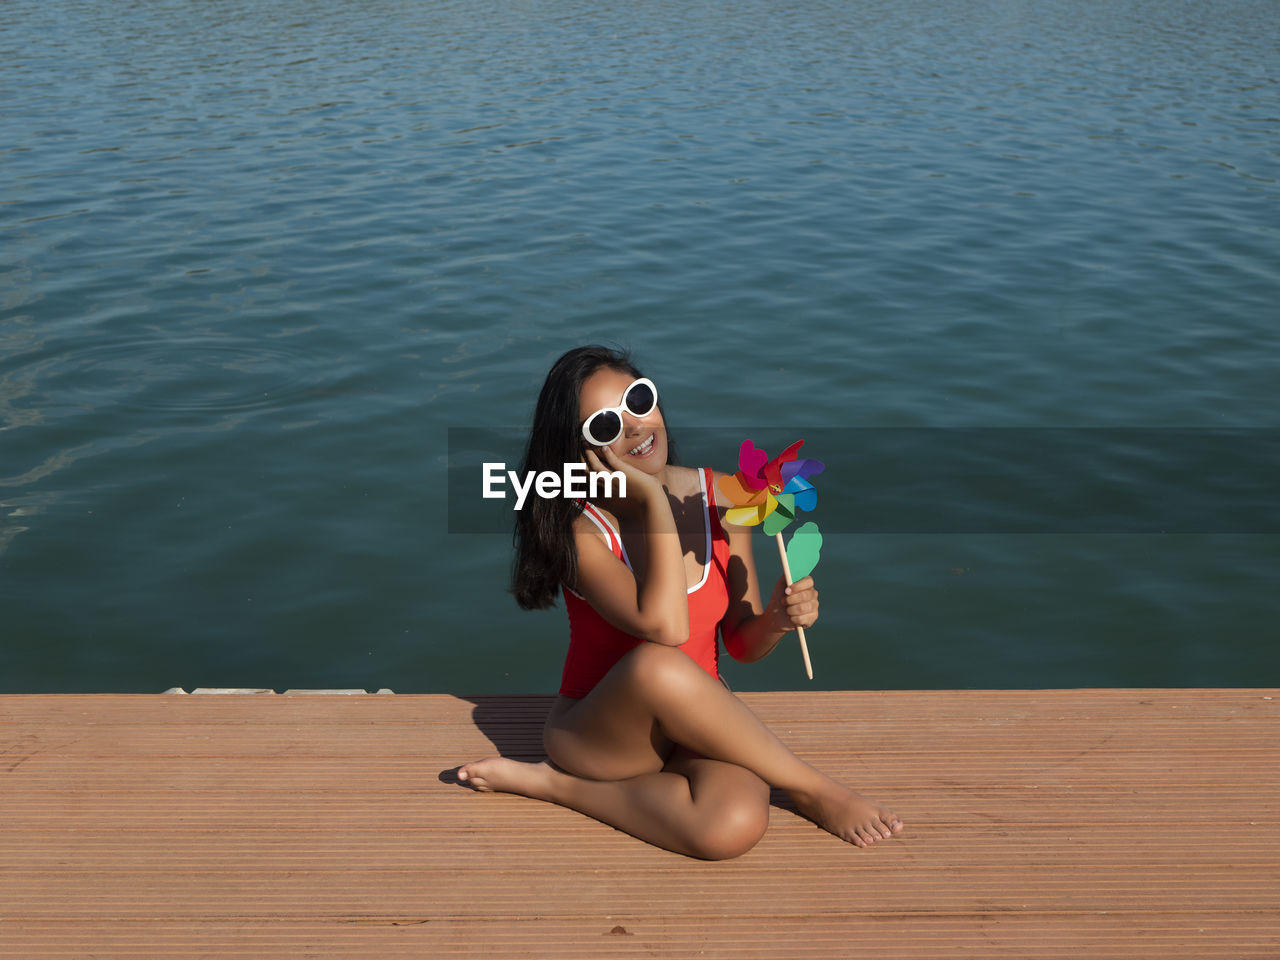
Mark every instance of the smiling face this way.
pixel 644 439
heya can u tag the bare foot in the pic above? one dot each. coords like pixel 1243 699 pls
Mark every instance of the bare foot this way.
pixel 848 815
pixel 508 776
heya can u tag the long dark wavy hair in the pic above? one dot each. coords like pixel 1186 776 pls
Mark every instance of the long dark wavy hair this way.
pixel 545 554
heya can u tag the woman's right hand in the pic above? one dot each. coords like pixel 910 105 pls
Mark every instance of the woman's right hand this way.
pixel 642 488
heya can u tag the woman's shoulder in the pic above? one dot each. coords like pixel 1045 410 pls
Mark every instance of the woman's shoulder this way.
pixel 689 482
pixel 721 498
pixel 692 477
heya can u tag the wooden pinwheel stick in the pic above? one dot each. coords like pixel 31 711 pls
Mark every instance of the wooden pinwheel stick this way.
pixel 786 572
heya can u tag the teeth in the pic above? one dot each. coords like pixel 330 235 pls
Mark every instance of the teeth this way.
pixel 643 448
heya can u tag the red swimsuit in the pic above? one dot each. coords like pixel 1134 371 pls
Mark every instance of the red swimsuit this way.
pixel 595 645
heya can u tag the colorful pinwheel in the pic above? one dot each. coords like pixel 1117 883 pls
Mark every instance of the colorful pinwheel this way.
pixel 770 493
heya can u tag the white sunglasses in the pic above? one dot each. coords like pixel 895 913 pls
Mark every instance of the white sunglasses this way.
pixel 605 425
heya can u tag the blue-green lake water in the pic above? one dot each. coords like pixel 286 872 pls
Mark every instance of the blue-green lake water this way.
pixel 258 260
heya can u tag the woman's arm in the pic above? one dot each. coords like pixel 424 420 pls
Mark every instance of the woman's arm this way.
pixel 750 629
pixel 652 604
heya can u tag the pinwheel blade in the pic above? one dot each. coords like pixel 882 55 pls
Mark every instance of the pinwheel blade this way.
pixel 751 463
pixel 738 493
pixel 801 468
pixel 804 494
pixel 745 516
pixel 782 516
pixel 773 472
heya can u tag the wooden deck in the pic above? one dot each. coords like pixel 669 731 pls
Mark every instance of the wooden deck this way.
pixel 1082 824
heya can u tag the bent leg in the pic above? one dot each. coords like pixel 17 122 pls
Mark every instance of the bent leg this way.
pixel 656 696
pixel 697 807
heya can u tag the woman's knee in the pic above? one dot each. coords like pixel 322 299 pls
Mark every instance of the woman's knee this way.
pixel 734 829
pixel 655 667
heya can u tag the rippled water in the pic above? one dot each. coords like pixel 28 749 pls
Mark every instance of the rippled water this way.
pixel 256 260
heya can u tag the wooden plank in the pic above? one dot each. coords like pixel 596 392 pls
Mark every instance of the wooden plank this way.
pixel 1040 824
pixel 1030 936
pixel 775 707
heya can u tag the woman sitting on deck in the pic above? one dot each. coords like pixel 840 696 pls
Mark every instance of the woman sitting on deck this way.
pixel 644 736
